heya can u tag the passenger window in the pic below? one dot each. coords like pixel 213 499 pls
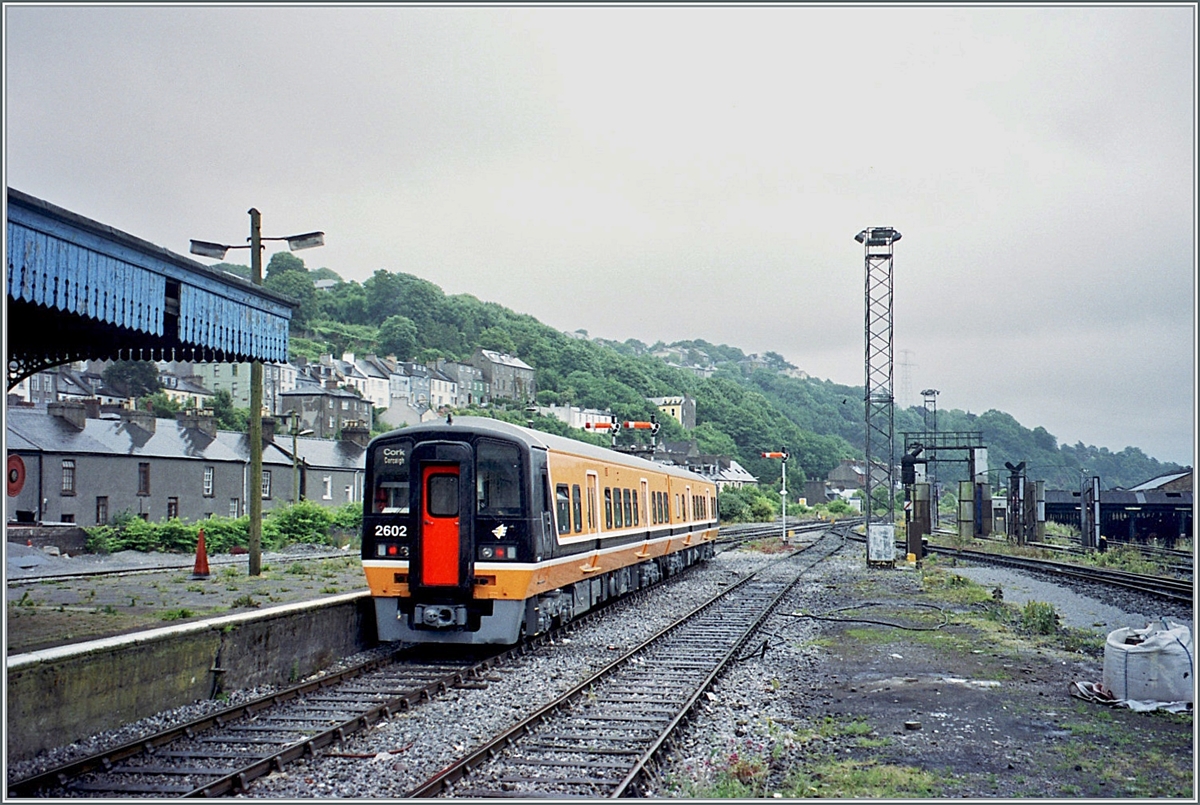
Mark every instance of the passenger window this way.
pixel 618 518
pixel 635 508
pixel 564 509
pixel 576 505
pixel 608 516
pixel 628 509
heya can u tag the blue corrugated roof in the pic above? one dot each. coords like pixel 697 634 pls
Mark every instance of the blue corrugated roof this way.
pixel 63 261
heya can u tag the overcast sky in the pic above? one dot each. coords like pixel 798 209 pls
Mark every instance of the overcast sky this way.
pixel 677 173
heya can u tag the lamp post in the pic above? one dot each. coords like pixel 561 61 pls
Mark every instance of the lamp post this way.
pixel 295 431
pixel 217 250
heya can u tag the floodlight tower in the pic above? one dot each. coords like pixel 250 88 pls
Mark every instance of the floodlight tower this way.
pixel 877 393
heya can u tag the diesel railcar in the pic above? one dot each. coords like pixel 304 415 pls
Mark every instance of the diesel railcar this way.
pixel 478 531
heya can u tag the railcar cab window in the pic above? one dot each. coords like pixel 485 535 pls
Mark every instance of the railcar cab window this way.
pixel 498 478
pixel 391 478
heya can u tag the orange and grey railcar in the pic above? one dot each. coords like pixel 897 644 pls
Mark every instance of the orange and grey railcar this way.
pixel 480 531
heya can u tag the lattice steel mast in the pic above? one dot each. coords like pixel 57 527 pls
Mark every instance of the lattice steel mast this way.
pixel 877 393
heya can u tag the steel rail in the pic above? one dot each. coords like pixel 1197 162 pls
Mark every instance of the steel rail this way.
pixel 488 750
pixel 237 780
pixel 1173 589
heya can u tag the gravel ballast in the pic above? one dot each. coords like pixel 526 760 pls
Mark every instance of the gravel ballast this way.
pixel 766 703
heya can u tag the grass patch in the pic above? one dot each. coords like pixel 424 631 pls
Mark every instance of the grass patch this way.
pixel 182 613
pixel 861 779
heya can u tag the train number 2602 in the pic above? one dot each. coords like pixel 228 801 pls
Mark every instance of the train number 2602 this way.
pixel 391 531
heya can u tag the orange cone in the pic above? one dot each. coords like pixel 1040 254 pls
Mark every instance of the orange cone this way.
pixel 200 571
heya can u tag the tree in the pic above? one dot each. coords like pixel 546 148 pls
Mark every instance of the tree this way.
pixel 398 336
pixel 283 262
pixel 496 339
pixel 299 286
pixel 132 378
pixel 159 403
pixel 228 417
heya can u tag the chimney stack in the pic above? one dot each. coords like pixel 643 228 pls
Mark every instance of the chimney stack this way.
pixel 142 419
pixel 71 412
pixel 204 422
pixel 356 432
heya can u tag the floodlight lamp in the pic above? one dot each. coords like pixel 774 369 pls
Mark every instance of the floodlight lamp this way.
pixel 308 240
pixel 206 249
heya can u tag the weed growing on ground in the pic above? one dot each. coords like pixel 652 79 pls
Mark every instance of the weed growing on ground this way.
pixel 245 601
pixel 176 614
pixel 1039 618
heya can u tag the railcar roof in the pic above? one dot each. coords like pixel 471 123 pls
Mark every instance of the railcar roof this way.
pixel 535 438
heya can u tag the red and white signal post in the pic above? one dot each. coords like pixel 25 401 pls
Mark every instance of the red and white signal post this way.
pixel 783 456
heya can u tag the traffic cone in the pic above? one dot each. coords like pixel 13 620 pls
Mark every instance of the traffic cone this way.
pixel 200 571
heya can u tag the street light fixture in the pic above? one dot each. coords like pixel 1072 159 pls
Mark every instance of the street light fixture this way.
pixel 217 251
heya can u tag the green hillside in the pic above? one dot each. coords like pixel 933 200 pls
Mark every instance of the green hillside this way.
pixel 745 404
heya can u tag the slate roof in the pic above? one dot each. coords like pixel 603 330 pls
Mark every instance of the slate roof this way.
pixel 1162 480
pixel 33 429
pixel 52 434
pixel 505 360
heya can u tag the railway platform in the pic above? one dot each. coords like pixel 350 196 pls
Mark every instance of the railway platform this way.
pixel 93 642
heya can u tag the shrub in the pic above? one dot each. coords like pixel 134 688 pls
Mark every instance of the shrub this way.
pixel 304 522
pixel 223 533
pixel 347 517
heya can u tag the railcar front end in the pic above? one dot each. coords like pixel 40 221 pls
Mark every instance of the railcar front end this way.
pixel 481 531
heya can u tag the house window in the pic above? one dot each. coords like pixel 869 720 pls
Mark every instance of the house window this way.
pixel 172 508
pixel 234 507
pixel 328 493
pixel 67 518
pixel 266 484
pixel 68 476
pixel 208 481
pixel 102 511
pixel 350 494
pixel 143 478
pixel 345 405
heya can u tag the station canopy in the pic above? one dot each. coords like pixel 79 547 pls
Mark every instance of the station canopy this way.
pixel 80 290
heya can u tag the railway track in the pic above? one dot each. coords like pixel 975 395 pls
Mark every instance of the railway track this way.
pixel 1175 561
pixel 1161 586
pixel 221 753
pixel 600 738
